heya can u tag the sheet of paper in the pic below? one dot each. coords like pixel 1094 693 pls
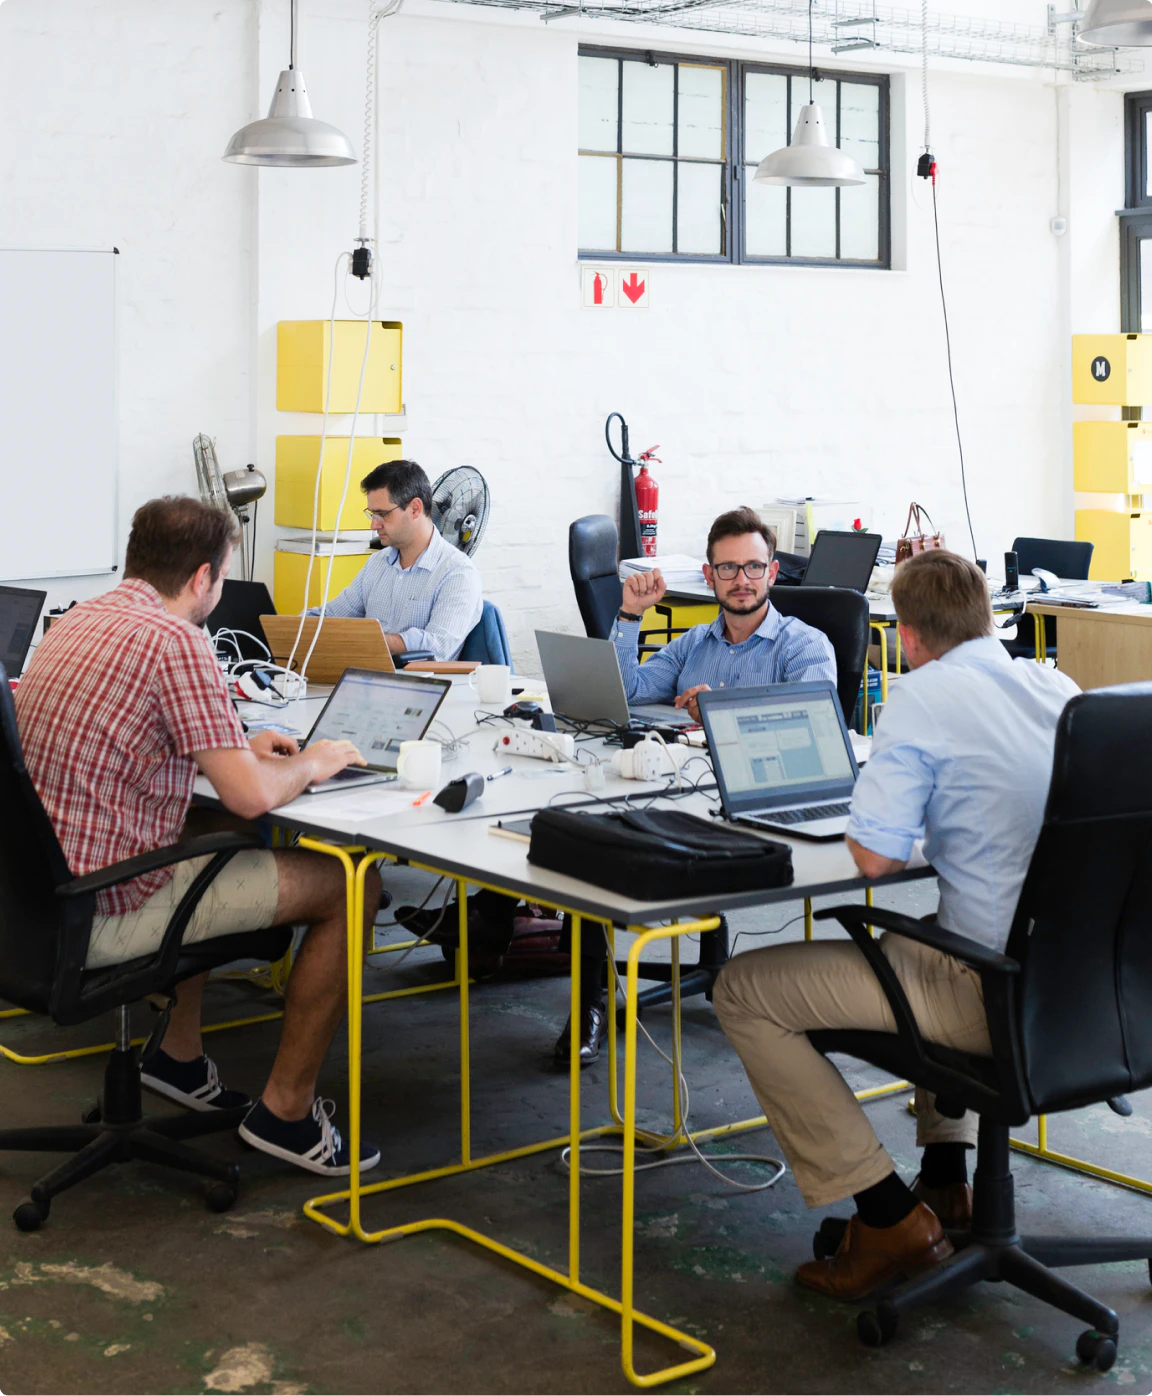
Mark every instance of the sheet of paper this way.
pixel 373 803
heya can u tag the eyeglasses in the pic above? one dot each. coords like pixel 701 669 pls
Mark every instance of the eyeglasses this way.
pixel 726 571
pixel 379 515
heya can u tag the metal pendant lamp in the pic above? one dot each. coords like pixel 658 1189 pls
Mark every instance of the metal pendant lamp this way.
pixel 1113 23
pixel 290 137
pixel 811 161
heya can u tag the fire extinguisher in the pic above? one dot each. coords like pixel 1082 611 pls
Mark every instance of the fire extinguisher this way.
pixel 647 502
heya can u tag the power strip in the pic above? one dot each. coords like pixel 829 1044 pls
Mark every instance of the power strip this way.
pixel 544 746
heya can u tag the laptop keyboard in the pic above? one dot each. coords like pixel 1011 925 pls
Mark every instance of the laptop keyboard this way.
pixel 803 816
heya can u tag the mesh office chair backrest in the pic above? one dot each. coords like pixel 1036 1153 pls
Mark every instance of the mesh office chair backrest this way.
pixel 592 547
pixel 842 616
pixel 1083 927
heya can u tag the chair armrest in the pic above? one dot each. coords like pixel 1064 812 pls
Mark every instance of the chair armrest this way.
pixel 407 656
pixel 968 952
pixel 165 857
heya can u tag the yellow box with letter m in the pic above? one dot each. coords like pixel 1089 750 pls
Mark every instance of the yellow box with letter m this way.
pixel 1112 369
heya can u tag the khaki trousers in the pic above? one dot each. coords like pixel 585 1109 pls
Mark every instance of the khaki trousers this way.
pixel 767 1001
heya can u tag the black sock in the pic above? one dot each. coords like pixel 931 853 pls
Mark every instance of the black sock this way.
pixel 885 1203
pixel 943 1164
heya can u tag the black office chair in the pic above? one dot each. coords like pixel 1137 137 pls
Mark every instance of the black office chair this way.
pixel 592 547
pixel 1068 1006
pixel 45 922
pixel 1060 556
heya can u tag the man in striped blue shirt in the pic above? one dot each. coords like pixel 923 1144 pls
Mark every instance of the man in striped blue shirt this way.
pixel 424 592
pixel 748 644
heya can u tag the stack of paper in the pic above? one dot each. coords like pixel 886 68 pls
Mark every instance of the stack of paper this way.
pixel 677 569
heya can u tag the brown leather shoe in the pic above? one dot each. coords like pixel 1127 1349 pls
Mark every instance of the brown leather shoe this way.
pixel 952 1203
pixel 868 1256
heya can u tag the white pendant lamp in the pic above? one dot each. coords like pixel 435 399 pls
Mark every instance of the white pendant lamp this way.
pixel 811 161
pixel 1116 23
pixel 290 137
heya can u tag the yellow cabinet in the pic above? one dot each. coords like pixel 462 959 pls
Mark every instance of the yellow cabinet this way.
pixel 1113 457
pixel 290 569
pixel 305 348
pixel 297 460
pixel 1123 543
pixel 1112 369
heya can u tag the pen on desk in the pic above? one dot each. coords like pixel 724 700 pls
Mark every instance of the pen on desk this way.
pixel 507 771
pixel 420 799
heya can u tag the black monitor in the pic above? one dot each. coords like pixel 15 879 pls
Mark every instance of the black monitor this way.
pixel 19 612
pixel 842 560
pixel 239 610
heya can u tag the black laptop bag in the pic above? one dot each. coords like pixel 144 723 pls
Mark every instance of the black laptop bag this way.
pixel 656 854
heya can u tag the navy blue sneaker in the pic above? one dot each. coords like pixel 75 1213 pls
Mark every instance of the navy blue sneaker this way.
pixel 196 1084
pixel 313 1143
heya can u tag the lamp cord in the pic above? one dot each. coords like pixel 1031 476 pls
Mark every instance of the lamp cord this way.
pixel 924 73
pixel 951 376
pixel 811 71
pixel 292 34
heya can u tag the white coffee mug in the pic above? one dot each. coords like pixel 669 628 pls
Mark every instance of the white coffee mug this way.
pixel 492 683
pixel 418 764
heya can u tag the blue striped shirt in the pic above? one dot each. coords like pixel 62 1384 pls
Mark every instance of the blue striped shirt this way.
pixel 782 650
pixel 432 605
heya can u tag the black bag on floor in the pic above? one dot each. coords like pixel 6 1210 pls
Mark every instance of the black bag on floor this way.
pixel 655 854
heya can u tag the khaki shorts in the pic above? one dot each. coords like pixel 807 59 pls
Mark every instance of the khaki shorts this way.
pixel 241 898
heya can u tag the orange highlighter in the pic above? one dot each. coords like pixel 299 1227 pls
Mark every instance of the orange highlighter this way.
pixel 421 798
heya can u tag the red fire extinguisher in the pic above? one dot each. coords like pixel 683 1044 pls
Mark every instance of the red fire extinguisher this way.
pixel 647 502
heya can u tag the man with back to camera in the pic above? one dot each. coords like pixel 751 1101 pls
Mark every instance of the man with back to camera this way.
pixel 122 705
pixel 425 593
pixel 962 758
pixel 747 645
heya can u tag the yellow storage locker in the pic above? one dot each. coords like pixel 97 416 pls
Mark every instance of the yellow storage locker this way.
pixel 303 351
pixel 297 459
pixel 1113 457
pixel 1112 369
pixel 290 569
pixel 1123 543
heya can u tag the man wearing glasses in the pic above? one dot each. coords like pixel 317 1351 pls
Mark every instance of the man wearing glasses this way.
pixel 748 644
pixel 424 592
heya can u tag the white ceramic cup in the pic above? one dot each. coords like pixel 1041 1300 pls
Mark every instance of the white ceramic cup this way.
pixel 418 764
pixel 492 683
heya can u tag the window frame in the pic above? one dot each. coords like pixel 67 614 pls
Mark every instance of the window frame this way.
pixel 734 165
pixel 1137 109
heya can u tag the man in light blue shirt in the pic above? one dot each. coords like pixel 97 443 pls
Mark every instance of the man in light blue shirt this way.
pixel 424 592
pixel 747 645
pixel 963 760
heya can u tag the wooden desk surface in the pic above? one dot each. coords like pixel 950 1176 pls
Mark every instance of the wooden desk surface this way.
pixel 1098 648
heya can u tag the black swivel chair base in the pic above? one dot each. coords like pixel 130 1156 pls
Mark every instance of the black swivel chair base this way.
pixel 993 1250
pixel 116 1132
pixel 697 979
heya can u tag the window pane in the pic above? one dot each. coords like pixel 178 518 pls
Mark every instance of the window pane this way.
pixel 698 196
pixel 765 115
pixel 860 220
pixel 1148 146
pixel 700 112
pixel 647 110
pixel 646 215
pixel 813 222
pixel 598 203
pixel 599 109
pixel 766 206
pixel 860 123
pixel 1145 285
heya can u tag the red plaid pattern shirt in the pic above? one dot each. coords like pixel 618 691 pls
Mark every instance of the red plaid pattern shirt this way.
pixel 118 696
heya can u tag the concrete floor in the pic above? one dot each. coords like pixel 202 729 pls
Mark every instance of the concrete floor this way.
pixel 133 1286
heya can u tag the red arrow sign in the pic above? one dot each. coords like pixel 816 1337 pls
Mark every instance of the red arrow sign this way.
pixel 632 288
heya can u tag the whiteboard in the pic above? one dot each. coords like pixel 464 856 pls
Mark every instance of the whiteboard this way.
pixel 58 420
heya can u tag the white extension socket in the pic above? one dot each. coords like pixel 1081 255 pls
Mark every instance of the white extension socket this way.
pixel 545 746
pixel 649 760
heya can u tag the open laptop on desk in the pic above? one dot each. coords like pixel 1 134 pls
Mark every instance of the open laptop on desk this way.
pixel 584 684
pixel 842 560
pixel 344 643
pixel 19 611
pixel 376 712
pixel 782 757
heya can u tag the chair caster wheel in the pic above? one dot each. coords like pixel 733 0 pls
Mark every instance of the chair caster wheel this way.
pixel 92 1116
pixel 30 1216
pixel 826 1241
pixel 876 1329
pixel 221 1197
pixel 1096 1350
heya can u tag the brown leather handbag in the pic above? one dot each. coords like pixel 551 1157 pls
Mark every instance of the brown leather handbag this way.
pixel 919 542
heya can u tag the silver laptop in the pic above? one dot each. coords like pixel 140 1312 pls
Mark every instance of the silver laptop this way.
pixel 376 712
pixel 584 684
pixel 782 756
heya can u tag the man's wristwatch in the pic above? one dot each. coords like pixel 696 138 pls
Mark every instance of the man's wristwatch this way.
pixel 627 615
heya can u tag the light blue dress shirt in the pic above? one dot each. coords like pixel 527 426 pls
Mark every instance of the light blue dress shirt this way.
pixel 781 650
pixel 963 759
pixel 433 605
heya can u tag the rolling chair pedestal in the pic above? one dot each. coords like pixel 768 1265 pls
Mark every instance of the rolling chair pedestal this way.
pixel 117 1132
pixel 696 979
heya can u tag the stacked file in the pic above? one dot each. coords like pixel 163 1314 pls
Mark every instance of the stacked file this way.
pixel 677 569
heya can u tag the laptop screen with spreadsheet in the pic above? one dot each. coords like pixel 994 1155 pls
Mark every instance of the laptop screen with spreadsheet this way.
pixel 376 712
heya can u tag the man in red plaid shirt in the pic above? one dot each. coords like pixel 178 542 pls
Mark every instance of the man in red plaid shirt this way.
pixel 122 706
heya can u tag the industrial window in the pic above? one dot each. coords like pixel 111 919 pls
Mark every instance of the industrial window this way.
pixel 1136 217
pixel 669 147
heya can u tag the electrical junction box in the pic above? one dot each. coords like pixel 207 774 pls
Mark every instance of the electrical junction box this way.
pixel 297 460
pixel 1112 369
pixel 289 570
pixel 306 348
pixel 1123 543
pixel 1112 457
